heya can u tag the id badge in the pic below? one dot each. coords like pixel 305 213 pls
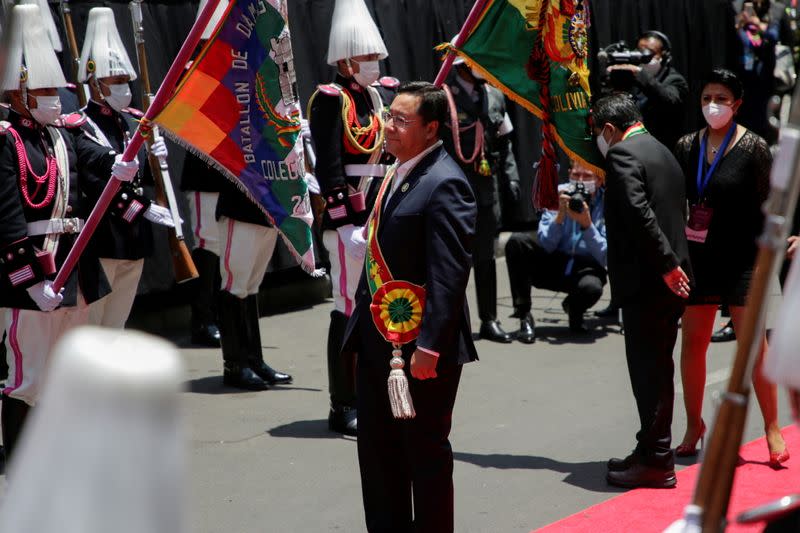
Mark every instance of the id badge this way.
pixel 699 221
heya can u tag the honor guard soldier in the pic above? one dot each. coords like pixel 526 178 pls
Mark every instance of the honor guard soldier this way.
pixel 122 239
pixel 478 137
pixel 67 94
pixel 347 128
pixel 42 209
pixel 202 182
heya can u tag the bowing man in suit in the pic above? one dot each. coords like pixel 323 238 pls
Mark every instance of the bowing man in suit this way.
pixel 648 264
pixel 419 244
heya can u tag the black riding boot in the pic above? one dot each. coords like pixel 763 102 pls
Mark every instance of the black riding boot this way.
pixel 233 323
pixel 255 355
pixel 204 313
pixel 343 417
pixel 14 413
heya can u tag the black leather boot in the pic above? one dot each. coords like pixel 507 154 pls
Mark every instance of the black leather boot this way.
pixel 486 291
pixel 14 414
pixel 204 313
pixel 527 330
pixel 233 329
pixel 255 354
pixel 343 417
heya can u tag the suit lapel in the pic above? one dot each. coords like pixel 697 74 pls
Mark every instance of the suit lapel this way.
pixel 410 182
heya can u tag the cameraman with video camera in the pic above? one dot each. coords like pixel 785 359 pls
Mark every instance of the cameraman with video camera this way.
pixel 570 255
pixel 659 91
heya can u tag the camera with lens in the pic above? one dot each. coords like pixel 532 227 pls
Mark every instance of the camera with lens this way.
pixel 620 54
pixel 577 196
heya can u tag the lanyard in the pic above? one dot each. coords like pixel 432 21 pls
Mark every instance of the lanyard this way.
pixel 702 181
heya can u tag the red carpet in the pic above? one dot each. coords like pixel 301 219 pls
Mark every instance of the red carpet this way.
pixel 652 510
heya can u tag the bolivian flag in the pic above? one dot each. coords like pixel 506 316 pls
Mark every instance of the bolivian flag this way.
pixel 536 52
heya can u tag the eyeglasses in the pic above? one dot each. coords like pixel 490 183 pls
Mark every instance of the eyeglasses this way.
pixel 399 121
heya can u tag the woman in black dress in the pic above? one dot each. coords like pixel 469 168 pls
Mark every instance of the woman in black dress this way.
pixel 727 171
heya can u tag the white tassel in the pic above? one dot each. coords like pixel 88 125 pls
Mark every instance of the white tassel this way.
pixel 399 393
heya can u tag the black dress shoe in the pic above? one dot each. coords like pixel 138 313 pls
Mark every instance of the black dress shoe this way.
pixel 616 464
pixel 527 331
pixel 639 475
pixel 268 374
pixel 206 335
pixel 724 334
pixel 343 420
pixel 612 311
pixel 575 318
pixel 491 331
pixel 242 377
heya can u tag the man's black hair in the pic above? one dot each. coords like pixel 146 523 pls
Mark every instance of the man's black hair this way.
pixel 727 79
pixel 433 102
pixel 617 109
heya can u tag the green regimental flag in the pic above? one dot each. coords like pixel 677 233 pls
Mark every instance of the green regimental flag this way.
pixel 536 52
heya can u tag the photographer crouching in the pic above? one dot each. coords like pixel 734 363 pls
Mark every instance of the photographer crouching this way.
pixel 570 255
pixel 658 89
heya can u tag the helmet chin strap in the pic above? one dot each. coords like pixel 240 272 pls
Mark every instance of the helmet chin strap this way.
pixel 349 67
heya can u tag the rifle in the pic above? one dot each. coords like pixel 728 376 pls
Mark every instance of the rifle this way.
pixel 66 14
pixel 714 483
pixel 182 263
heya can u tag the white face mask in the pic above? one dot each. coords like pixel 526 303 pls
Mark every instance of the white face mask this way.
pixel 368 73
pixel 602 144
pixel 120 96
pixel 717 115
pixel 653 66
pixel 47 111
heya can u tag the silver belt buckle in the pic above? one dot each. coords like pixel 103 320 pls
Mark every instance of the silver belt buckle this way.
pixel 70 225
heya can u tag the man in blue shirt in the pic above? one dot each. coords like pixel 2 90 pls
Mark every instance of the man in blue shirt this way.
pixel 570 256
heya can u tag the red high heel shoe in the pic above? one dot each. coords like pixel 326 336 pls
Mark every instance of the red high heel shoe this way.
pixel 684 450
pixel 776 458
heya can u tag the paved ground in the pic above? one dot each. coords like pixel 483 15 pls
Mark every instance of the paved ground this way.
pixel 533 428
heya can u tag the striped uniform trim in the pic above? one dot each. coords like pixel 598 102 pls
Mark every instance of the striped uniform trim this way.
pixel 348 305
pixel 198 209
pixel 13 341
pixel 133 210
pixel 228 246
pixel 21 275
pixel 337 212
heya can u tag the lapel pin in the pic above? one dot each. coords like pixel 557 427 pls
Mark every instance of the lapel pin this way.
pixel 404 188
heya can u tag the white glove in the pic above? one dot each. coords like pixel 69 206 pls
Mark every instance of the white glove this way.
pixel 159 215
pixel 159 149
pixel 305 129
pixel 352 237
pixel 124 170
pixel 45 297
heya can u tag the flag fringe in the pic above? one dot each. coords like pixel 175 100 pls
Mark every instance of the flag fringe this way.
pixel 310 270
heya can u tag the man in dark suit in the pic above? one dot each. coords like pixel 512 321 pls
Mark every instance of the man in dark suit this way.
pixel 425 235
pixel 648 262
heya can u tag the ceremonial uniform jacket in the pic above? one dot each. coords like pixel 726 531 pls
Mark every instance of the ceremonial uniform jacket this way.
pixel 425 234
pixel 490 109
pixel 19 268
pixel 200 176
pixel 235 204
pixel 331 146
pixel 115 237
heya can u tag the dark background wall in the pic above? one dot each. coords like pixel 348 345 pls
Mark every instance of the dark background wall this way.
pixel 701 32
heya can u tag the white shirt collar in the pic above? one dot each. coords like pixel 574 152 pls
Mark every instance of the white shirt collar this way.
pixel 404 169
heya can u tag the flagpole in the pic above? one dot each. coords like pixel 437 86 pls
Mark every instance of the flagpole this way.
pixel 472 19
pixel 159 101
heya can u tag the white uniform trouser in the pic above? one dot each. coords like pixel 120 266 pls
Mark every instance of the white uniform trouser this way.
pixel 112 310
pixel 203 211
pixel 345 272
pixel 246 251
pixel 31 336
